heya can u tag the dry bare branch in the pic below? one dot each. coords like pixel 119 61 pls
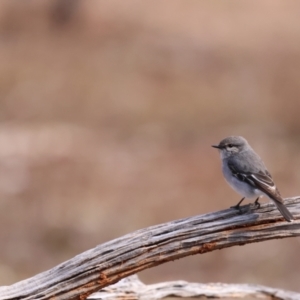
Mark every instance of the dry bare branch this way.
pixel 106 264
pixel 131 288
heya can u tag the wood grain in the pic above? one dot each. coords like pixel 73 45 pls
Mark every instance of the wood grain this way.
pixel 131 288
pixel 107 263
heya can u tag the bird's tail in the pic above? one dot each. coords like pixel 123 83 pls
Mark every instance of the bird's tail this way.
pixel 284 211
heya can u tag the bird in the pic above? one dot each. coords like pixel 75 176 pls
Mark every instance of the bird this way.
pixel 247 174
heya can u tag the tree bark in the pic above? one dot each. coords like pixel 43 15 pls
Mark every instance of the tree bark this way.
pixel 106 264
pixel 131 288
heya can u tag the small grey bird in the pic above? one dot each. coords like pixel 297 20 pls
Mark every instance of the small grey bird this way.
pixel 246 173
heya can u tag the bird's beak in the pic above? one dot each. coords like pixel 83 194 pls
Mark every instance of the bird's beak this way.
pixel 216 146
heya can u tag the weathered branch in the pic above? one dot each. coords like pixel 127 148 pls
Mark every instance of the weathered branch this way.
pixel 108 263
pixel 131 288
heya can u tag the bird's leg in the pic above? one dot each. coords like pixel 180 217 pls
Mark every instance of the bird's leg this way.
pixel 238 205
pixel 256 203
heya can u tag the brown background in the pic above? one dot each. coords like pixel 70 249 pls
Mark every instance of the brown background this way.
pixel 108 110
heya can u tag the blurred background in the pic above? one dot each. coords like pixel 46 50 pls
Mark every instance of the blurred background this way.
pixel 108 110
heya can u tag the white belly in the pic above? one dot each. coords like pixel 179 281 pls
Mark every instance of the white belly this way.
pixel 240 187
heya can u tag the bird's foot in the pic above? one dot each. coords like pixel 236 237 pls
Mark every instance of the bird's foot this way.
pixel 238 206
pixel 256 203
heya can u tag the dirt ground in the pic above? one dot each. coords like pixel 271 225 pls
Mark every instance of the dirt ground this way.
pixel 107 113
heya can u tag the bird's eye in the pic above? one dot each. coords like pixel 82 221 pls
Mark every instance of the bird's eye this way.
pixel 229 145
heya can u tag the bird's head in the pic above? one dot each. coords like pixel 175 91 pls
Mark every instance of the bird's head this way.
pixel 231 145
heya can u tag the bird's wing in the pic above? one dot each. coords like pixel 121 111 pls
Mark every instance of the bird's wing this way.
pixel 261 180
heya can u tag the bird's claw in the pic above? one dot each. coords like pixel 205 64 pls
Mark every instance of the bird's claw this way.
pixel 257 204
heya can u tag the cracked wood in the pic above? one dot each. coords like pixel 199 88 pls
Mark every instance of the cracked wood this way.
pixel 107 263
